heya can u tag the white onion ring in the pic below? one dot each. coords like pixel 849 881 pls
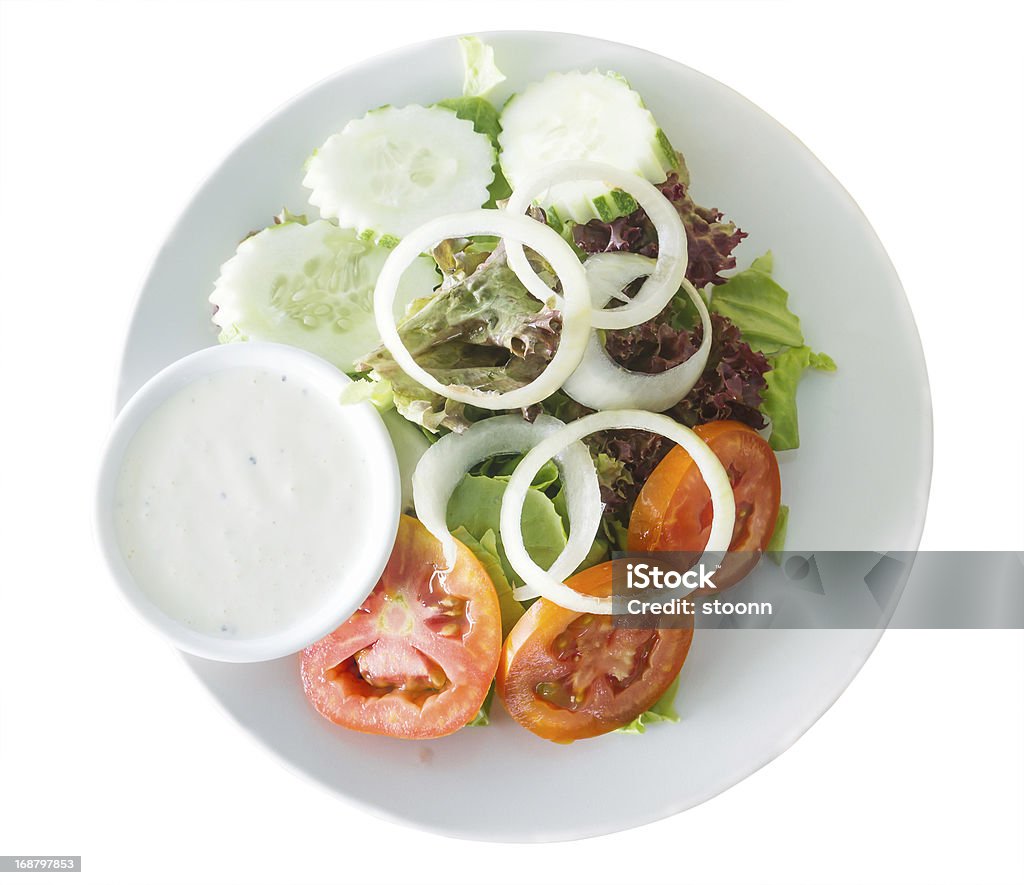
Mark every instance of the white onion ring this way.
pixel 601 383
pixel 541 583
pixel 490 222
pixel 668 273
pixel 608 273
pixel 442 467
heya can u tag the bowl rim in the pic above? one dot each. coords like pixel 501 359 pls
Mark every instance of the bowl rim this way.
pixel 364 572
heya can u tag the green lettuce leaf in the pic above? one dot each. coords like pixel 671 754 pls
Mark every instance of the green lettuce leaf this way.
pixel 457 260
pixel 501 467
pixel 480 112
pixel 777 542
pixel 664 710
pixel 363 390
pixel 486 550
pixel 481 73
pixel 759 306
pixel 483 715
pixel 476 505
pixel 617 532
pixel 481 328
pixel 779 401
pixel 481 76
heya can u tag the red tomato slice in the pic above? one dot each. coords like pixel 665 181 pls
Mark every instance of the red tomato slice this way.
pixel 673 511
pixel 417 658
pixel 566 675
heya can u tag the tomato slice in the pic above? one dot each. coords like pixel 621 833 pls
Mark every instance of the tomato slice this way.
pixel 673 511
pixel 565 675
pixel 417 658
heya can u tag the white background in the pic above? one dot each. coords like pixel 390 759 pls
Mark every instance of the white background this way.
pixel 111 116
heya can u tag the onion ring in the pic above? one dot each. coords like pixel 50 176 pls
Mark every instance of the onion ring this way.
pixel 442 467
pixel 540 582
pixel 669 271
pixel 492 222
pixel 601 383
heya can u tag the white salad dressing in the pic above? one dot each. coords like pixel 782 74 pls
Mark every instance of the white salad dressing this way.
pixel 237 506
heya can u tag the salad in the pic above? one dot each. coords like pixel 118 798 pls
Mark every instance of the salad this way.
pixel 570 366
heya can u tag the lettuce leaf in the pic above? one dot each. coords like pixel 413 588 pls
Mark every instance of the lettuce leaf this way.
pixel 616 530
pixel 759 307
pixel 732 384
pixel 483 715
pixel 476 506
pixel 480 77
pixel 486 550
pixel 474 513
pixel 664 710
pixel 481 328
pixel 779 402
pixel 363 390
pixel 481 73
pixel 777 542
pixel 479 111
pixel 501 467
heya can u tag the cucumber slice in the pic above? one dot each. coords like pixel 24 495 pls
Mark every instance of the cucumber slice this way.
pixel 577 116
pixel 396 168
pixel 311 286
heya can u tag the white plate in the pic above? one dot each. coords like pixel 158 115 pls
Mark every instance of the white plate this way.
pixel 859 481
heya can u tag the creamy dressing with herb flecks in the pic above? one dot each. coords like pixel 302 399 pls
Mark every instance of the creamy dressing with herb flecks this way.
pixel 238 500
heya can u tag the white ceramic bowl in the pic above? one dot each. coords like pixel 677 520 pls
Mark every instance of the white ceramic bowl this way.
pixel 859 481
pixel 381 512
